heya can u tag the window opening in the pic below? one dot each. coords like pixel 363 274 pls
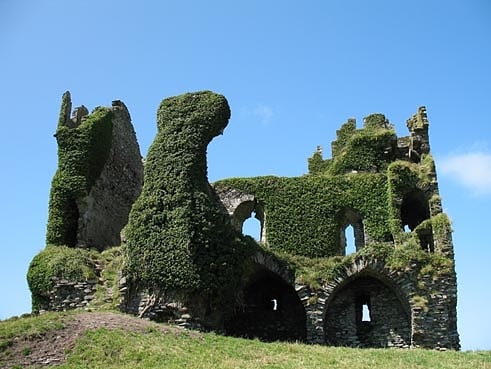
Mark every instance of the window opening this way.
pixel 252 227
pixel 365 313
pixel 414 210
pixel 275 304
pixel 349 234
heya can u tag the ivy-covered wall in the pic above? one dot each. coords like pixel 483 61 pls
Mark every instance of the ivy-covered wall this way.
pixel 388 185
pixel 98 178
pixel 305 214
pixel 179 240
pixel 83 148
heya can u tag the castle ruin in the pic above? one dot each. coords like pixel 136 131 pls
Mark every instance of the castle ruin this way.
pixel 184 258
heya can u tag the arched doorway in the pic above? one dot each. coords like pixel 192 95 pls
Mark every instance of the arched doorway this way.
pixel 271 310
pixel 367 312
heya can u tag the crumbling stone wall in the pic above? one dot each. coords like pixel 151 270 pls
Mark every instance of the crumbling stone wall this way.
pixel 70 295
pixel 387 324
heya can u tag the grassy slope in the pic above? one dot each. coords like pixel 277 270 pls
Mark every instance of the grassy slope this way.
pixel 104 348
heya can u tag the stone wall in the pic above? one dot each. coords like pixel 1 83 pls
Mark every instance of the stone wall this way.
pixel 386 324
pixel 104 212
pixel 70 295
pixel 167 309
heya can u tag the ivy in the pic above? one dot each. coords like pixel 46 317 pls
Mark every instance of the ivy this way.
pixel 304 214
pixel 82 153
pixel 370 149
pixel 178 238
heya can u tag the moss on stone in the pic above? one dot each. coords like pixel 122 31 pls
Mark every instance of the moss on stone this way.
pixel 57 262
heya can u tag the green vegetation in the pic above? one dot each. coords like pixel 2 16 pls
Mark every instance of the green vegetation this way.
pixel 178 239
pixel 82 152
pixel 370 149
pixel 30 327
pixel 305 214
pixel 116 349
pixel 102 348
pixel 61 262
pixel 107 295
pixel 316 272
pixel 75 265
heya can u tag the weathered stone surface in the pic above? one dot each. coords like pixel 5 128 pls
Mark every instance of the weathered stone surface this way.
pixel 104 212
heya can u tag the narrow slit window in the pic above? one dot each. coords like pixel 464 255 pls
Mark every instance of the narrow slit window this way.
pixel 275 304
pixel 365 310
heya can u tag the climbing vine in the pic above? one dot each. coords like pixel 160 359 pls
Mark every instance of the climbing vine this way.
pixel 178 238
pixel 82 153
pixel 304 214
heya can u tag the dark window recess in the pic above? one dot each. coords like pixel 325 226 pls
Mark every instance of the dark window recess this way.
pixel 414 210
pixel 426 240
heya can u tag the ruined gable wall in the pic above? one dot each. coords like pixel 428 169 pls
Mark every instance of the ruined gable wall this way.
pixel 99 176
pixel 104 211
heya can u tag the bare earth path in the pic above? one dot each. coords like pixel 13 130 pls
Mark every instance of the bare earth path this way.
pixel 52 347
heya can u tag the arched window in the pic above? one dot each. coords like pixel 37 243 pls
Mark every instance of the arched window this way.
pixel 248 218
pixel 270 310
pixel 349 235
pixel 367 312
pixel 252 227
pixel 352 236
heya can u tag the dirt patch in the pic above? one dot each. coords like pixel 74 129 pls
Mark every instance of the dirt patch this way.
pixel 52 348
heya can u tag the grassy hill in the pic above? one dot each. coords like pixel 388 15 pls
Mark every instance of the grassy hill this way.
pixel 113 340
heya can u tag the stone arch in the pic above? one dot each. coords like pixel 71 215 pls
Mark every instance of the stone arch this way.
pixel 390 315
pixel 353 218
pixel 270 308
pixel 241 206
pixel 246 210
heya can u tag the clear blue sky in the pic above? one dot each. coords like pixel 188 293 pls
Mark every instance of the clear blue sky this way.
pixel 293 71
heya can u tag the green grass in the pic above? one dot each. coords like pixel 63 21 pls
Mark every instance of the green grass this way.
pixel 118 349
pixel 107 294
pixel 30 327
pixel 174 348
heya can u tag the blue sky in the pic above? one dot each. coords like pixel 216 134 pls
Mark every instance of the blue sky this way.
pixel 292 72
